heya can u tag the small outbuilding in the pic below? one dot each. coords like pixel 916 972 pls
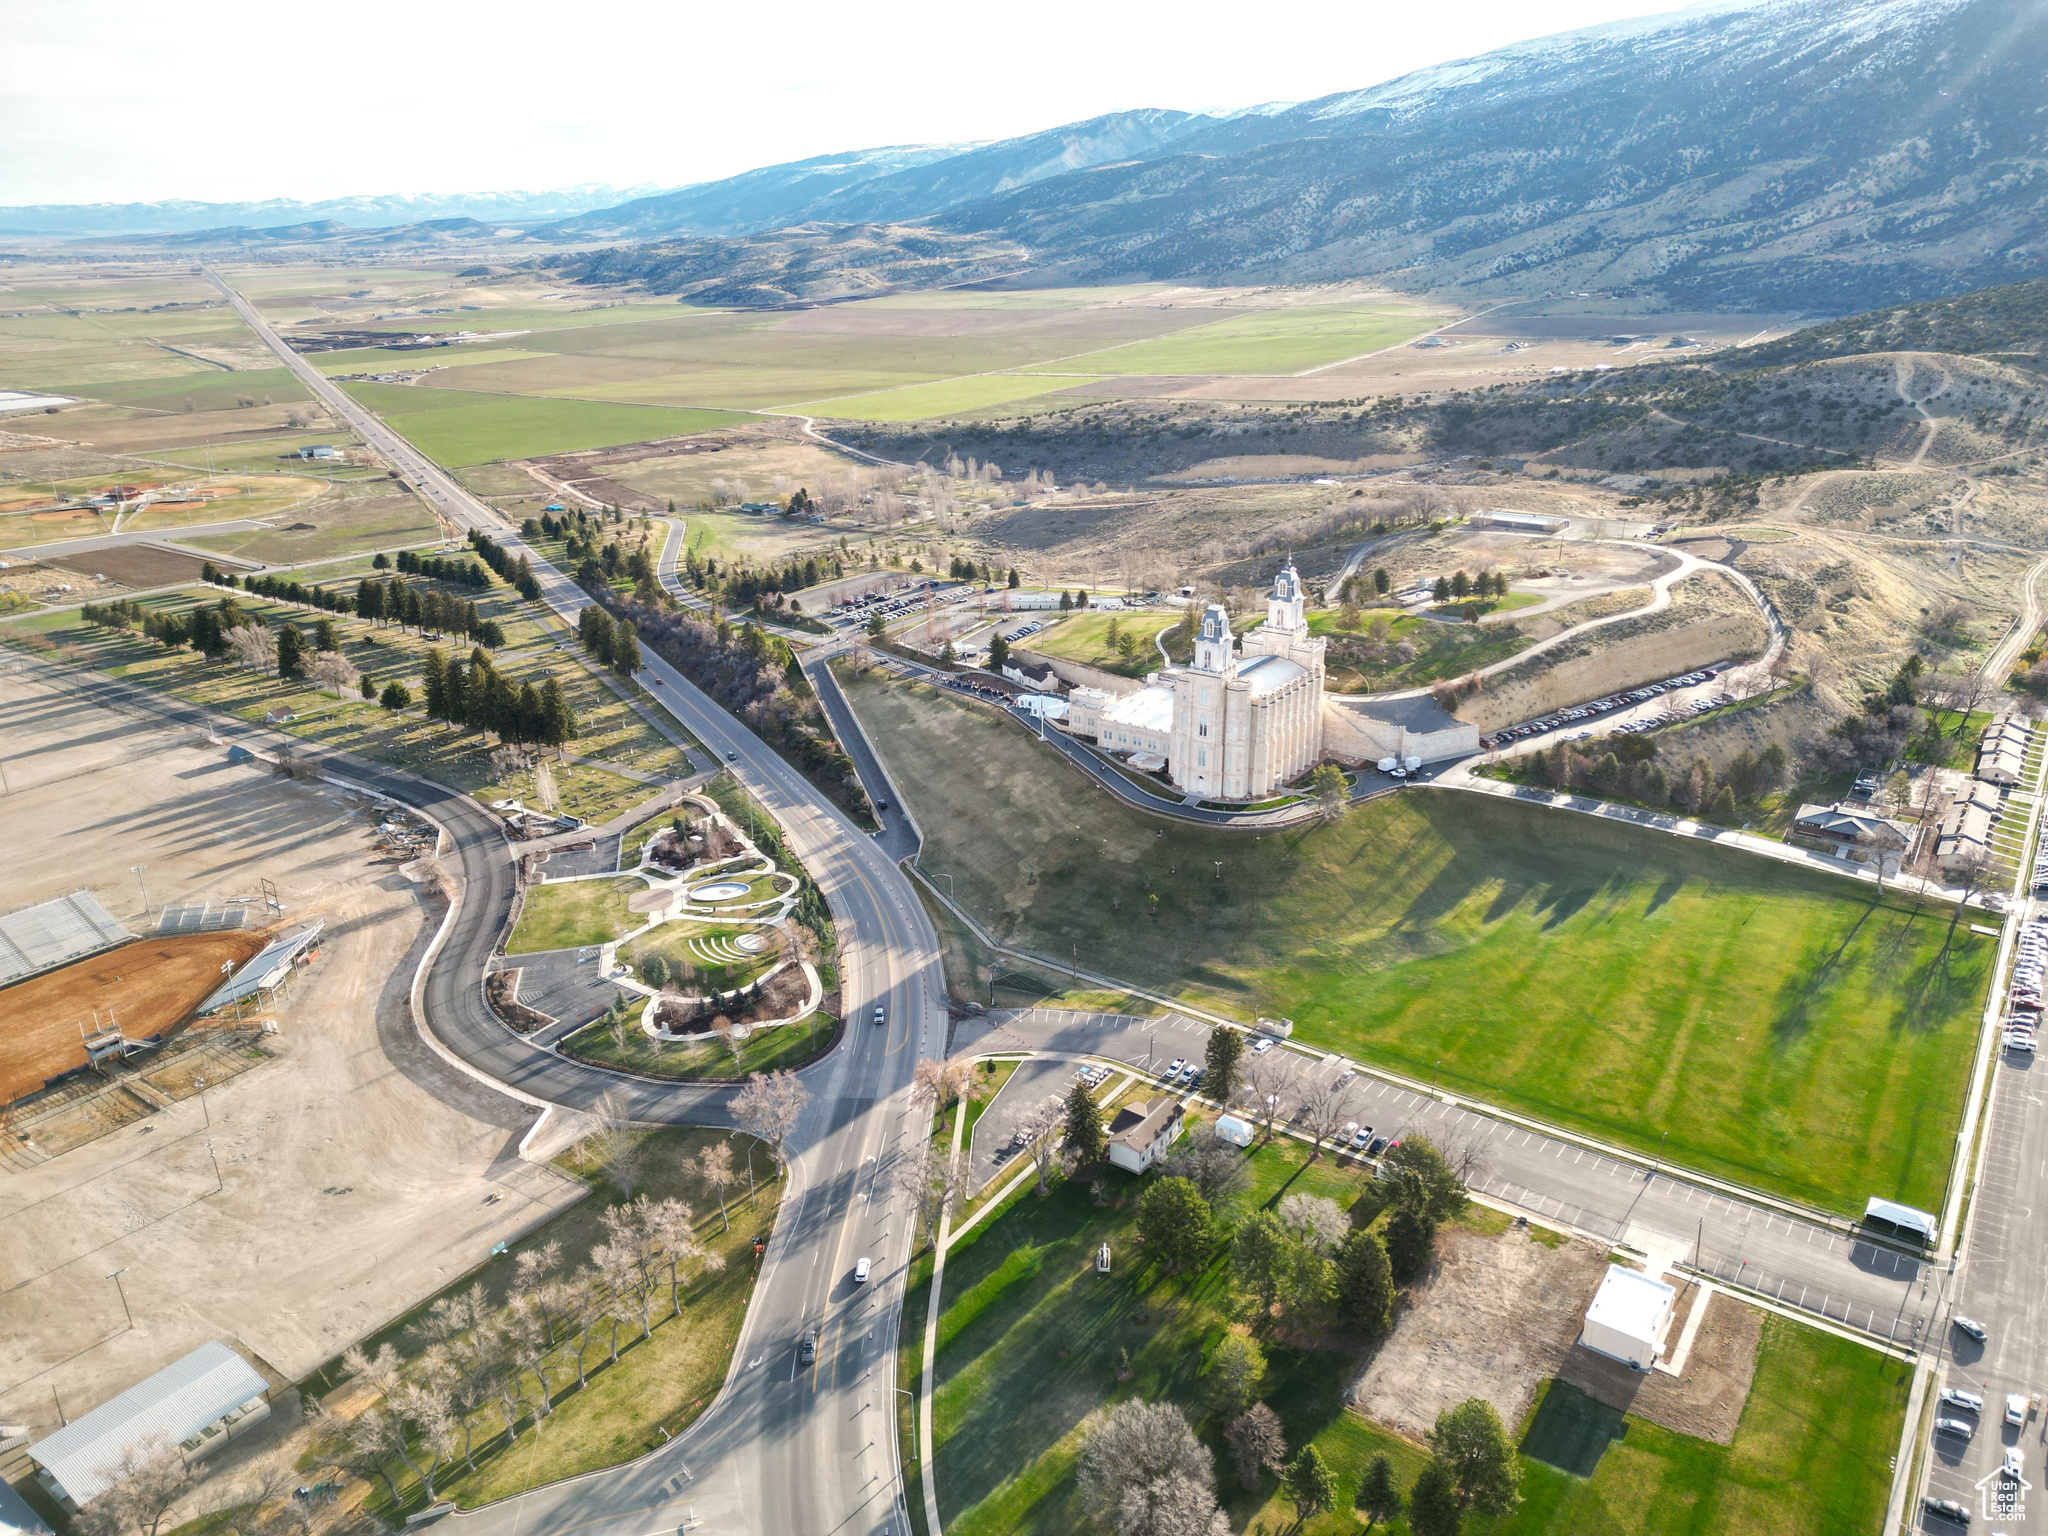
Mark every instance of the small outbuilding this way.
pixel 1627 1319
pixel 1233 1130
pixel 192 1406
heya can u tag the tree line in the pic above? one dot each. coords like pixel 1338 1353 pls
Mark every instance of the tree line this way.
pixel 475 695
pixel 425 609
pixel 515 572
pixel 1304 1268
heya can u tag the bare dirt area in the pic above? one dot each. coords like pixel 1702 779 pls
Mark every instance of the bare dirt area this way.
pixel 111 429
pixel 1705 1399
pixel 297 1205
pixel 1495 1317
pixel 134 565
pixel 146 987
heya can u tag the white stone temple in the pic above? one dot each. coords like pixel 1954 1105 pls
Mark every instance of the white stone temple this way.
pixel 1242 720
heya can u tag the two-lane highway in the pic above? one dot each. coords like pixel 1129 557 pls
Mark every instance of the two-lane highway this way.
pixel 784 1449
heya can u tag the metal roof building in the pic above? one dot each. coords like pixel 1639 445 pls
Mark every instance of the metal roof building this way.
pixel 1627 1318
pixel 16 1518
pixel 194 1404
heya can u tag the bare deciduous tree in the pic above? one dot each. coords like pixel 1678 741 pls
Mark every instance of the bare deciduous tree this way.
pixel 253 647
pixel 933 1185
pixel 1324 1107
pixel 770 1106
pixel 714 1167
pixel 1143 1470
pixel 151 1480
pixel 335 672
pixel 616 1142
pixel 1318 1221
pixel 1262 1078
pixel 1040 1129
pixel 939 1083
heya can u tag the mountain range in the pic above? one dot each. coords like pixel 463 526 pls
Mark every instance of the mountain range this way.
pixel 1792 155
pixel 181 217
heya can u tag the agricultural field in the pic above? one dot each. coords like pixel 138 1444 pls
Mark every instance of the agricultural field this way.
pixel 458 428
pixel 346 520
pixel 1268 341
pixel 948 398
pixel 1030 1342
pixel 1764 1023
pixel 612 734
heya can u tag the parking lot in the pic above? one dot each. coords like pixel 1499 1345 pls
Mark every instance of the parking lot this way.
pixel 1670 702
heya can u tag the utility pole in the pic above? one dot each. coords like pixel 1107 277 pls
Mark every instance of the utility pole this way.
pixel 122 1291
pixel 138 871
pixel 218 1183
pixel 200 1082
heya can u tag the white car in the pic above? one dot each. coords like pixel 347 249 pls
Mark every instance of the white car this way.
pixel 1260 1047
pixel 2015 1408
pixel 860 1272
pixel 1173 1067
pixel 1956 1397
pixel 2012 1463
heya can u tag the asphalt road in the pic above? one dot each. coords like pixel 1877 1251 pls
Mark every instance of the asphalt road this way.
pixel 782 1449
pixel 1801 1265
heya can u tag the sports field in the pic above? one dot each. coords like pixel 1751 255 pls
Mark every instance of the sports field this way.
pixel 1779 1026
pixel 455 427
pixel 150 985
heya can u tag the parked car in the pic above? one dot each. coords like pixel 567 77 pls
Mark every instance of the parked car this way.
pixel 1962 1428
pixel 1262 1045
pixel 1361 1139
pixel 1946 1509
pixel 2016 1408
pixel 1173 1067
pixel 1971 1326
pixel 1956 1397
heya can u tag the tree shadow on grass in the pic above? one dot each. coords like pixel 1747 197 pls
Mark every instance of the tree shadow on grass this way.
pixel 1819 969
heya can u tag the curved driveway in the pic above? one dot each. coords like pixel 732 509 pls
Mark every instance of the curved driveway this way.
pixel 783 1449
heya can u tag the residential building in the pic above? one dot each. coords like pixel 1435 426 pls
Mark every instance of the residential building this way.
pixel 1850 832
pixel 1139 1137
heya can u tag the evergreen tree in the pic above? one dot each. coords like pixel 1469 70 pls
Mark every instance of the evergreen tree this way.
pixel 1015 580
pixel 395 696
pixel 793 677
pixel 1472 1446
pixel 1066 601
pixel 291 652
pixel 998 653
pixel 1411 1240
pixel 1311 1485
pixel 1085 1136
pixel 369 688
pixel 381 563
pixel 1220 1058
pixel 1442 591
pixel 324 637
pixel 1378 1498
pixel 1461 585
pixel 370 600
pixel 532 714
pixel 409 607
pixel 1365 1285
pixel 1723 808
pixel 1433 1503
pixel 558 721
pixel 625 649
pixel 1381 581
pixel 434 684
pixel 1176 1224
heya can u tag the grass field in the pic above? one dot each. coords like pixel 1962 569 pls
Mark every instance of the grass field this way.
pixel 1029 1339
pixel 1780 1026
pixel 660 1384
pixel 1085 638
pixel 945 398
pixel 1270 341
pixel 785 1047
pixel 457 427
pixel 572 913
pixel 345 521
pixel 1438 649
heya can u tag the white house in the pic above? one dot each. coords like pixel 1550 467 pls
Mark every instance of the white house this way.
pixel 1627 1319
pixel 1139 1137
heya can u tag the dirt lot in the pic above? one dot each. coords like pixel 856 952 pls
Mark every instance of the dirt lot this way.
pixel 1493 1320
pixel 135 565
pixel 146 987
pixel 357 1173
pixel 1706 1399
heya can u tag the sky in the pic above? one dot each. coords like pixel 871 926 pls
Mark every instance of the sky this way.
pixel 223 100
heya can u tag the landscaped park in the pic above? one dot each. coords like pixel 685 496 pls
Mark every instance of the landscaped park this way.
pixel 1772 1025
pixel 1034 1347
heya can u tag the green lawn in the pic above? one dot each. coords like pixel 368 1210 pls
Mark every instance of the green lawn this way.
pixel 787 1046
pixel 458 427
pixel 672 939
pixel 1085 638
pixel 661 1383
pixel 1270 341
pixel 574 913
pixel 1779 1025
pixel 1029 1338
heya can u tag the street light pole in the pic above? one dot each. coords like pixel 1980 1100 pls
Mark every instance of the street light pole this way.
pixel 200 1083
pixel 122 1291
pixel 218 1183
pixel 138 870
